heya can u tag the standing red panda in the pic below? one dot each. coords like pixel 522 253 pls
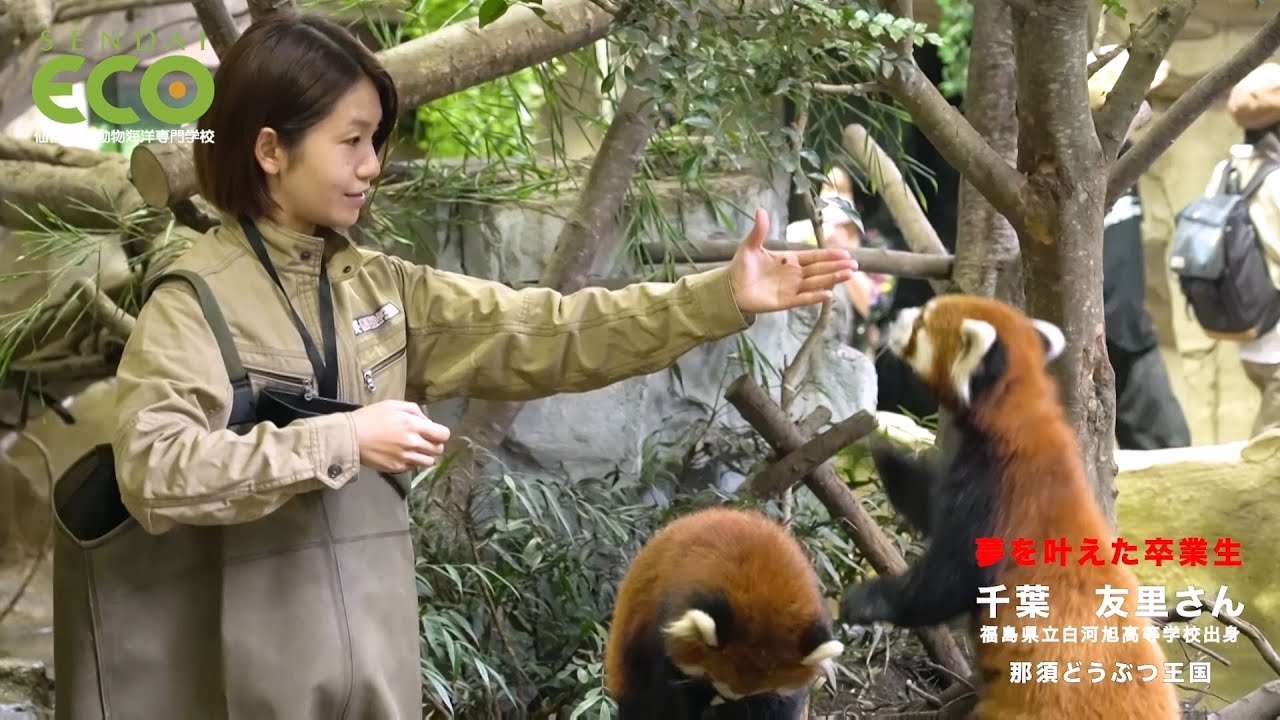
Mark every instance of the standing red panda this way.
pixel 720 615
pixel 1015 471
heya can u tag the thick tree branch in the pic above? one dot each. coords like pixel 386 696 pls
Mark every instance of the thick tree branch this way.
pixel 12 148
pixel 1261 704
pixel 1000 183
pixel 218 26
pixel 1161 134
pixel 987 254
pixel 460 56
pixel 1147 47
pixel 89 197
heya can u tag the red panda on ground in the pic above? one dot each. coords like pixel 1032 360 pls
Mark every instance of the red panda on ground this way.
pixel 1014 471
pixel 720 615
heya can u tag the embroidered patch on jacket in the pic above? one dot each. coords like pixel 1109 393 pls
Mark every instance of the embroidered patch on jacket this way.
pixel 377 319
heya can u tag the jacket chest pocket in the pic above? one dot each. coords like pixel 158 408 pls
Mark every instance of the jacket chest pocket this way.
pixel 382 370
pixel 290 380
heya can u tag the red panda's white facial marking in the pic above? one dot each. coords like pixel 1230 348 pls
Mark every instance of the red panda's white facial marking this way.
pixel 914 348
pixel 976 338
pixel 946 340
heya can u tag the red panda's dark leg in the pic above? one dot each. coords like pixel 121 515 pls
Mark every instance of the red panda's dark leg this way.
pixel 760 707
pixel 943 582
pixel 908 481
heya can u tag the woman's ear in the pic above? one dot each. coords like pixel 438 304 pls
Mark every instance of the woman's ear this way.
pixel 269 152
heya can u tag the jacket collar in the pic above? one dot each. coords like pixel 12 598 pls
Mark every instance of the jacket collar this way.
pixel 293 251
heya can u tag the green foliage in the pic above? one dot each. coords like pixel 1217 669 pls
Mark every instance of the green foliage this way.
pixel 484 121
pixel 716 72
pixel 953 50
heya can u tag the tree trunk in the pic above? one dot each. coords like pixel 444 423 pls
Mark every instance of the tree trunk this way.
pixel 987 257
pixel 1061 240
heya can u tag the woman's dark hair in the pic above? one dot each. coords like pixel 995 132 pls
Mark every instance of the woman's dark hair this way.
pixel 286 72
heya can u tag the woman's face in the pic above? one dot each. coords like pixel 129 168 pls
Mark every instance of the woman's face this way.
pixel 325 179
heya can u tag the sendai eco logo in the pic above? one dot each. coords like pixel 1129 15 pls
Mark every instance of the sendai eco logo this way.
pixel 175 89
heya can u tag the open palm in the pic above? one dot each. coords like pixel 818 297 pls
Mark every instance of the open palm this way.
pixel 767 281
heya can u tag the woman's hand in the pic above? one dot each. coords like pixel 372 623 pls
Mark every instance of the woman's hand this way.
pixel 767 281
pixel 396 436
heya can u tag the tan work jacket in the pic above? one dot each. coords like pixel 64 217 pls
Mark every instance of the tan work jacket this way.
pixel 299 596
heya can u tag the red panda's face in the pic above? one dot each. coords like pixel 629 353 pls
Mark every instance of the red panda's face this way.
pixel 751 658
pixel 947 340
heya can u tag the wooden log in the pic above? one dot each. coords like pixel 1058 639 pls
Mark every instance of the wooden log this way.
pixel 795 465
pixel 890 262
pixel 163 173
pixel 758 409
pixel 874 260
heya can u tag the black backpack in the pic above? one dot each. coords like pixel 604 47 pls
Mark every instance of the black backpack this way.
pixel 1220 262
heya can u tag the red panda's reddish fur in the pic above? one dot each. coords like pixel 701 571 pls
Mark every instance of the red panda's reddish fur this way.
pixel 769 581
pixel 1044 494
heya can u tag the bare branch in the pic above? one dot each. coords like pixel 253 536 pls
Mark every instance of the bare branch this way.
pixel 1102 60
pixel 77 9
pixel 12 148
pixel 758 409
pixel 1261 704
pixel 792 468
pixel 90 197
pixel 1147 47
pixel 592 230
pixel 259 9
pixel 855 89
pixel 798 366
pixel 103 309
pixel 217 23
pixel 998 181
pixel 1126 171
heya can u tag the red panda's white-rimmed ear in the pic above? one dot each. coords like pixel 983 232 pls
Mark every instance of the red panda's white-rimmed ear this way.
pixel 1052 337
pixel 695 625
pixel 976 338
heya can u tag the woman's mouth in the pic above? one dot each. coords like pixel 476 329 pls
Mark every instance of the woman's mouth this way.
pixel 356 197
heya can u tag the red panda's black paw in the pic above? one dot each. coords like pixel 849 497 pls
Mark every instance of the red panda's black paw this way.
pixel 863 604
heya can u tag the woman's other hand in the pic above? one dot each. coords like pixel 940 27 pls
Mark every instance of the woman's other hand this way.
pixel 396 436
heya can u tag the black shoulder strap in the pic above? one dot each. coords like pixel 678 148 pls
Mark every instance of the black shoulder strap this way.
pixel 1259 177
pixel 242 409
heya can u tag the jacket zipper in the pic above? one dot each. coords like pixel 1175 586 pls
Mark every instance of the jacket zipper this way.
pixel 307 384
pixel 382 365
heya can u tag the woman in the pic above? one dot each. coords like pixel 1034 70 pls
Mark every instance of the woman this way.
pixel 299 598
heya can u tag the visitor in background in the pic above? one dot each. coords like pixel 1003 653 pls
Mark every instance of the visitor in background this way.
pixel 1254 104
pixel 1148 414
